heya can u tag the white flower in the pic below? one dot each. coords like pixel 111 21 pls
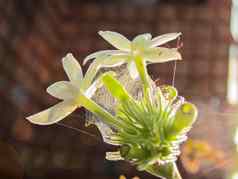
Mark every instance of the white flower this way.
pixel 68 91
pixel 142 45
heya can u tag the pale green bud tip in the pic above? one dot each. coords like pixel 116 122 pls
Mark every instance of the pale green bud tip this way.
pixel 185 116
pixel 189 109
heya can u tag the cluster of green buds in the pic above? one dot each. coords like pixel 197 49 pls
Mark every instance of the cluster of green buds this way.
pixel 147 129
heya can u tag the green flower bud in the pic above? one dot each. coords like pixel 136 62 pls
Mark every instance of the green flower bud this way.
pixel 184 118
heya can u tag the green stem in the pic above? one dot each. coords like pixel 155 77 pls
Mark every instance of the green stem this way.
pixel 98 111
pixel 147 94
pixel 141 67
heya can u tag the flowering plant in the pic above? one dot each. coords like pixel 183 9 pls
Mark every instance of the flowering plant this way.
pixel 147 129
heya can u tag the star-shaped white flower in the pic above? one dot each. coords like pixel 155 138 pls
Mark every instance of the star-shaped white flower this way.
pixel 68 91
pixel 142 45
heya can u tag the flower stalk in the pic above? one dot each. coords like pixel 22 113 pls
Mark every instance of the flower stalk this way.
pixel 142 70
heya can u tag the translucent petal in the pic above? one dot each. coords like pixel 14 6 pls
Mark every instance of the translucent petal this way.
pixel 161 55
pixel 115 88
pixel 117 40
pixel 72 69
pixel 95 85
pixel 132 70
pixel 103 97
pixel 53 114
pixel 103 52
pixel 101 62
pixel 162 39
pixel 62 90
pixel 105 130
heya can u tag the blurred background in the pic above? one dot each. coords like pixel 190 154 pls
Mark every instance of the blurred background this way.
pixel 35 35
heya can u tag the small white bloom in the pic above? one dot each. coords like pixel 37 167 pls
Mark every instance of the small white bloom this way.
pixel 67 91
pixel 142 45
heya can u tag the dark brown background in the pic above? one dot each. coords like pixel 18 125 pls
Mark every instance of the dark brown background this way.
pixel 35 35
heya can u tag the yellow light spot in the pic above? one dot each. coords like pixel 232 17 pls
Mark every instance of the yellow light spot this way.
pixel 122 177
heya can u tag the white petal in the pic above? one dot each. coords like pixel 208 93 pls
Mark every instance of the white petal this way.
pixel 103 52
pixel 161 55
pixel 72 69
pixel 62 90
pixel 133 70
pixel 117 40
pixel 90 74
pixel 53 114
pixel 162 39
